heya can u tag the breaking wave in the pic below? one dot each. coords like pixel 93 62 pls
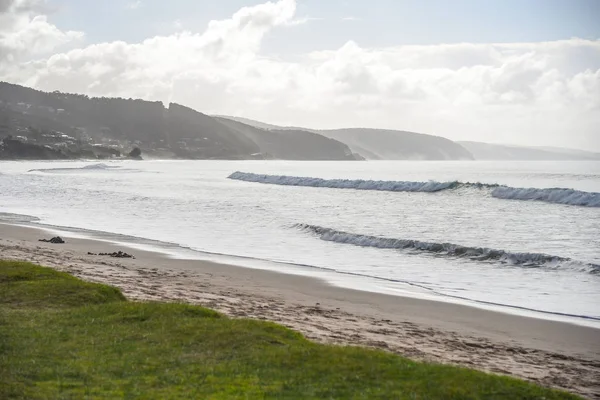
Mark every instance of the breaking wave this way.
pixel 358 184
pixel 555 195
pixel 530 260
pixel 93 167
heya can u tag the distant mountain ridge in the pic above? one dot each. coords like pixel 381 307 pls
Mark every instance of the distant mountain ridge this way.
pixel 386 144
pixel 382 144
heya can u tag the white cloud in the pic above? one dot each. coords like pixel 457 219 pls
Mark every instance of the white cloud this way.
pixel 350 18
pixel 24 32
pixel 545 93
pixel 302 21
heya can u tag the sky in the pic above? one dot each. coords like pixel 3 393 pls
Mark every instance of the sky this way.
pixel 519 72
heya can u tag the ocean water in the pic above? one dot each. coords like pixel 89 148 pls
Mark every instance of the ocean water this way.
pixel 521 237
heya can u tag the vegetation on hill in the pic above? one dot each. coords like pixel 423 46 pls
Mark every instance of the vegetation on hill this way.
pixel 62 120
pixel 64 338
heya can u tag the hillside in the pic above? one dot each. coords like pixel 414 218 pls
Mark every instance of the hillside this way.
pixel 60 119
pixel 79 124
pixel 384 144
pixel 293 144
pixel 487 151
pixel 262 125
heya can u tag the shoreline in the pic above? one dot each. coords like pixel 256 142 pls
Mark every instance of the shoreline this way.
pixel 351 281
pixel 548 352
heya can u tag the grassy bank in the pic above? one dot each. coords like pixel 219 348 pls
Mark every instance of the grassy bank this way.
pixel 64 338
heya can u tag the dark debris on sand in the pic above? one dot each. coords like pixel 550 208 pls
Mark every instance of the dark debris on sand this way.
pixel 116 254
pixel 55 240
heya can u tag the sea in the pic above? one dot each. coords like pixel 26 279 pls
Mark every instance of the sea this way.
pixel 515 237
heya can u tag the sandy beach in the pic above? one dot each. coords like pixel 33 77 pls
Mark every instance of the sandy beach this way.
pixel 550 353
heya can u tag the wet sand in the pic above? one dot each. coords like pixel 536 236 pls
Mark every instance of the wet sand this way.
pixel 555 354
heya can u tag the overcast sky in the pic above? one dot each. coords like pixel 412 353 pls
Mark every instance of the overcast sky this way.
pixel 505 71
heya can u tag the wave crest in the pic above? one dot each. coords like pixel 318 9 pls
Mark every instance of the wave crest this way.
pixel 358 184
pixel 555 195
pixel 531 260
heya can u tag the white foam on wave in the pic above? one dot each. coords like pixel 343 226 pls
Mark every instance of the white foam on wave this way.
pixel 529 260
pixel 556 195
pixel 358 184
pixel 100 166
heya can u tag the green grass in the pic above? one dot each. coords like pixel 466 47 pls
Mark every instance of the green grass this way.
pixel 62 338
